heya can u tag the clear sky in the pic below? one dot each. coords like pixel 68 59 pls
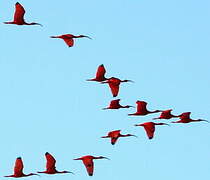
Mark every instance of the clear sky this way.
pixel 46 104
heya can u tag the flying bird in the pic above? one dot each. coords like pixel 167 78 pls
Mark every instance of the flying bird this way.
pixel 18 169
pixel 50 165
pixel 142 109
pixel 114 135
pixel 69 38
pixel 166 115
pixel 149 127
pixel 114 84
pixel 100 74
pixel 19 16
pixel 185 118
pixel 88 162
pixel 115 104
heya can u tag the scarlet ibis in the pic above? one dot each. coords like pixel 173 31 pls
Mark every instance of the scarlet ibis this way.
pixel 100 74
pixel 19 16
pixel 149 127
pixel 114 135
pixel 69 38
pixel 115 104
pixel 142 109
pixel 166 115
pixel 185 118
pixel 114 84
pixel 18 169
pixel 88 162
pixel 50 165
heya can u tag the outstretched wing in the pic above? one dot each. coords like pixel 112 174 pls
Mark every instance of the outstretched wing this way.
pixel 18 169
pixel 19 13
pixel 69 41
pixel 150 129
pixel 114 88
pixel 89 166
pixel 114 103
pixel 50 165
pixel 100 72
pixel 141 106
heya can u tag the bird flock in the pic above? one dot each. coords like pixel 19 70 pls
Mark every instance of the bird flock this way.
pixel 114 85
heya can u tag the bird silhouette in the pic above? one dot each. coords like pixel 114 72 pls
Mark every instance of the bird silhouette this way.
pixel 50 165
pixel 115 104
pixel 19 16
pixel 18 170
pixel 100 74
pixel 114 135
pixel 166 115
pixel 185 118
pixel 142 109
pixel 69 38
pixel 114 84
pixel 88 162
pixel 149 127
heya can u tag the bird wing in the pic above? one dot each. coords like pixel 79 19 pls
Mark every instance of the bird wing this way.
pixel 114 140
pixel 185 115
pixel 100 72
pixel 69 42
pixel 18 169
pixel 141 106
pixel 19 13
pixel 114 88
pixel 150 129
pixel 89 166
pixel 114 103
pixel 50 165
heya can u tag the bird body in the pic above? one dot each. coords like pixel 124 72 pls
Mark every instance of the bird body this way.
pixel 50 165
pixel 115 104
pixel 19 16
pixel 149 127
pixel 100 74
pixel 18 169
pixel 142 109
pixel 69 38
pixel 114 84
pixel 185 118
pixel 166 115
pixel 114 135
pixel 88 162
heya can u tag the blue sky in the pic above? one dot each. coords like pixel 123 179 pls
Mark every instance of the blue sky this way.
pixel 46 104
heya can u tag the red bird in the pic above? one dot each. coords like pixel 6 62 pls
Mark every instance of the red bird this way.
pixel 68 38
pixel 115 104
pixel 88 162
pixel 150 128
pixel 114 135
pixel 18 169
pixel 50 165
pixel 185 118
pixel 142 109
pixel 19 16
pixel 166 115
pixel 100 74
pixel 114 84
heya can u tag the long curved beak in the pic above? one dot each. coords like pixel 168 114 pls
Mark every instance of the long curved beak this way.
pixel 39 24
pixel 88 37
pixel 135 136
pixel 205 120
pixel 106 158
